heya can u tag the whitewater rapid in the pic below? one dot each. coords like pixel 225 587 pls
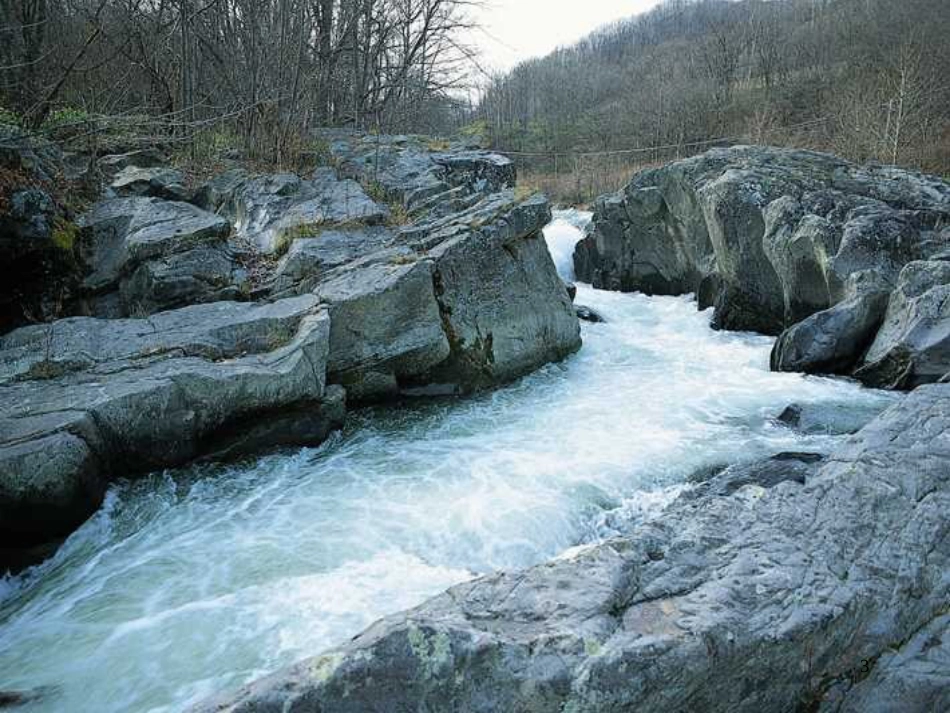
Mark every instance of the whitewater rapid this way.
pixel 193 581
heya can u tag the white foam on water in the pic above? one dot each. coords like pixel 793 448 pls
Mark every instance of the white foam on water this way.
pixel 562 235
pixel 196 581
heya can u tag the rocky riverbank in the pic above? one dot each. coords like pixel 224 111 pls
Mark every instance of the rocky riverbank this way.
pixel 796 584
pixel 847 263
pixel 244 313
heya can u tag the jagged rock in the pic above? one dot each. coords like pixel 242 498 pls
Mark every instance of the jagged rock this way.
pixel 449 305
pixel 147 254
pixel 832 341
pixel 913 345
pixel 768 599
pixel 204 274
pixel 415 172
pixel 768 236
pixel 88 400
pixel 911 678
pixel 217 194
pixel 453 305
pixel 272 211
pixel 156 182
pixel 504 308
pixel 27 224
pixel 39 158
pixel 478 171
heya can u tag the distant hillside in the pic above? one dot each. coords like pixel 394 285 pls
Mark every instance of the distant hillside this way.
pixel 867 79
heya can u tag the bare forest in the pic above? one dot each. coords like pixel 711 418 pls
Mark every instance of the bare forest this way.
pixel 247 75
pixel 867 79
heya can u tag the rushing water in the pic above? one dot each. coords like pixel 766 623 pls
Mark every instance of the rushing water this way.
pixel 192 581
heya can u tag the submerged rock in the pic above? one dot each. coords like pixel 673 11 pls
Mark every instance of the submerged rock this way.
pixel 766 599
pixel 772 237
pixel 588 315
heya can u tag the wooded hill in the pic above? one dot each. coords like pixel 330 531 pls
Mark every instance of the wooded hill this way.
pixel 867 79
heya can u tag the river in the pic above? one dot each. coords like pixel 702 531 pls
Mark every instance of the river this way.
pixel 192 581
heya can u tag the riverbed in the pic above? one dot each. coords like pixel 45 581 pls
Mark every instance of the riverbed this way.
pixel 192 581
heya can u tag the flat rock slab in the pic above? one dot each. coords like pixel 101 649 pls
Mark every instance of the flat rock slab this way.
pixel 86 400
pixel 155 181
pixel 832 593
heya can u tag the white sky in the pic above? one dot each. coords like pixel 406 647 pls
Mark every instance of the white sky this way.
pixel 514 30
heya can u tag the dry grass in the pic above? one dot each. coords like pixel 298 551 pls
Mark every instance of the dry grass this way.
pixel 582 186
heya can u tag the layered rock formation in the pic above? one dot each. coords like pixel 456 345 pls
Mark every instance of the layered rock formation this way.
pixel 830 595
pixel 89 400
pixel 185 355
pixel 781 240
pixel 146 254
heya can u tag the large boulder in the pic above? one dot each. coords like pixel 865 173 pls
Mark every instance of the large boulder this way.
pixel 88 400
pixel 769 237
pixel 386 328
pixel 504 308
pixel 449 305
pixel 833 340
pixel 833 593
pixel 913 345
pixel 146 254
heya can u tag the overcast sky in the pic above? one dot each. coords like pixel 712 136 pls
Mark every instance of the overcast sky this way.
pixel 514 30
